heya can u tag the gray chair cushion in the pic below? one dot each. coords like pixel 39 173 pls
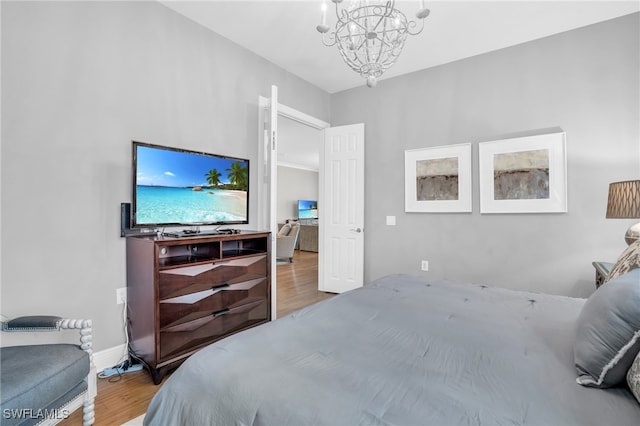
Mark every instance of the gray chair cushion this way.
pixel 608 332
pixel 34 377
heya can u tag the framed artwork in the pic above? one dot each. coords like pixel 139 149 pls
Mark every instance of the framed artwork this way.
pixel 438 179
pixel 524 175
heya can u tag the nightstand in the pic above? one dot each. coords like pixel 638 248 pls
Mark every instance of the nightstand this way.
pixel 602 270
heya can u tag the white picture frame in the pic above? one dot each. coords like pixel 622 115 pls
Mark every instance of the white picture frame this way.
pixel 438 179
pixel 523 175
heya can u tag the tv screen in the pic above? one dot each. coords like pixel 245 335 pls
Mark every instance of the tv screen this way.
pixel 174 186
pixel 307 209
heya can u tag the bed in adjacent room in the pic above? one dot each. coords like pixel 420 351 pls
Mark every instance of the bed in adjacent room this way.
pixel 405 351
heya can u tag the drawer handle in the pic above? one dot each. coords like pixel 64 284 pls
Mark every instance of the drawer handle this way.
pixel 220 313
pixel 220 287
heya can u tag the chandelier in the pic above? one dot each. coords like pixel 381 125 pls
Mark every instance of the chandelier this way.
pixel 370 34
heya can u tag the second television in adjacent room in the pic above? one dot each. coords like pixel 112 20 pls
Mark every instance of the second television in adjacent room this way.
pixel 307 209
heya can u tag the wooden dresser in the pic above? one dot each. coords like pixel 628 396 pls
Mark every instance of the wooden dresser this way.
pixel 185 293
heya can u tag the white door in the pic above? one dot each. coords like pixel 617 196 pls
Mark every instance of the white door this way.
pixel 341 210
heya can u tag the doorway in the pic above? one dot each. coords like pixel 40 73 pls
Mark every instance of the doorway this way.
pixel 284 150
pixel 340 199
pixel 298 187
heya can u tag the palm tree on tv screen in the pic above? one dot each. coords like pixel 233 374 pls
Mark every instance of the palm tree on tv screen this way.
pixel 213 177
pixel 238 175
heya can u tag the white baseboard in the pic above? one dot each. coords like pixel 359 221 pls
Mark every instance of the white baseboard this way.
pixel 109 357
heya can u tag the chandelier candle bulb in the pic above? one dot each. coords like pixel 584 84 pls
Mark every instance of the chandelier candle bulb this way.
pixel 323 8
pixel 323 27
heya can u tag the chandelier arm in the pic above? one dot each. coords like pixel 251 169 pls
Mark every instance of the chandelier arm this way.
pixel 367 51
pixel 379 21
pixel 338 13
pixel 359 25
pixel 364 40
pixel 350 34
pixel 383 39
pixel 383 42
pixel 386 43
pixel 330 40
pixel 412 24
pixel 345 18
pixel 388 8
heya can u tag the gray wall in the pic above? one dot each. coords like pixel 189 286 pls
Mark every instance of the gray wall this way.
pixel 80 80
pixel 584 82
pixel 293 185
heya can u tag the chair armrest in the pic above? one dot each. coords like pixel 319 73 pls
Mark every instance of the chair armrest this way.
pixel 34 323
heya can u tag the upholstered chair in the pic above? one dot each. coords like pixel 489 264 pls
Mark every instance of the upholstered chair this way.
pixel 44 383
pixel 286 240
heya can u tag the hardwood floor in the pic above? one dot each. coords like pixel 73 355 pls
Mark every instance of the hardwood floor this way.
pixel 298 283
pixel 127 397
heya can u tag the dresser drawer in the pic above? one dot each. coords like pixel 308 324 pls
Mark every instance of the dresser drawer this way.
pixel 192 279
pixel 185 338
pixel 182 309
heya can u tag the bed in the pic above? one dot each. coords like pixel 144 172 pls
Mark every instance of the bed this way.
pixel 400 350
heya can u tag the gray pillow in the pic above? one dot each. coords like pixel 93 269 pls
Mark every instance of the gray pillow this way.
pixel 608 332
pixel 284 231
pixel 633 377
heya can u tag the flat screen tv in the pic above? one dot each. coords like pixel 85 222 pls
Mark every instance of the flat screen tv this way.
pixel 307 209
pixel 173 187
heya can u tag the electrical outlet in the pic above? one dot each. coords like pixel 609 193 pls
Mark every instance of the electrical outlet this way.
pixel 121 295
pixel 424 265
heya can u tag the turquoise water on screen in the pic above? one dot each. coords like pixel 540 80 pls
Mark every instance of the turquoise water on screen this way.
pixel 158 204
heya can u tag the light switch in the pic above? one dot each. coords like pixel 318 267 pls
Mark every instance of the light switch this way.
pixel 391 220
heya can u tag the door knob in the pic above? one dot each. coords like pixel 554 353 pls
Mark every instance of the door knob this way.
pixel 358 230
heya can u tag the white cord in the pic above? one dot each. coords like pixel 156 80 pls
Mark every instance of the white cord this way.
pixel 125 355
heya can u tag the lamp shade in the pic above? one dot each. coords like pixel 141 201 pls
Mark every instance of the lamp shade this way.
pixel 624 203
pixel 624 200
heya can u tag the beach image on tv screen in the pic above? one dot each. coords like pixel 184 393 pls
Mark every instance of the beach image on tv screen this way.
pixel 307 209
pixel 189 188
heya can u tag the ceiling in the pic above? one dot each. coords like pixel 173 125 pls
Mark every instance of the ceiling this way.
pixel 284 33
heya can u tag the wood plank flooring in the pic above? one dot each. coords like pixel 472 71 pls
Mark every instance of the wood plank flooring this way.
pixel 122 399
pixel 298 283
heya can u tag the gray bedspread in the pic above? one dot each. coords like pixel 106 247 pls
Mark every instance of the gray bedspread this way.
pixel 400 351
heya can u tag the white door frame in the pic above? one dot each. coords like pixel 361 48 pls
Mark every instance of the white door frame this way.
pixel 268 171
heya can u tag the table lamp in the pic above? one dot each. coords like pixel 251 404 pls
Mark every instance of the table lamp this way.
pixel 624 203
